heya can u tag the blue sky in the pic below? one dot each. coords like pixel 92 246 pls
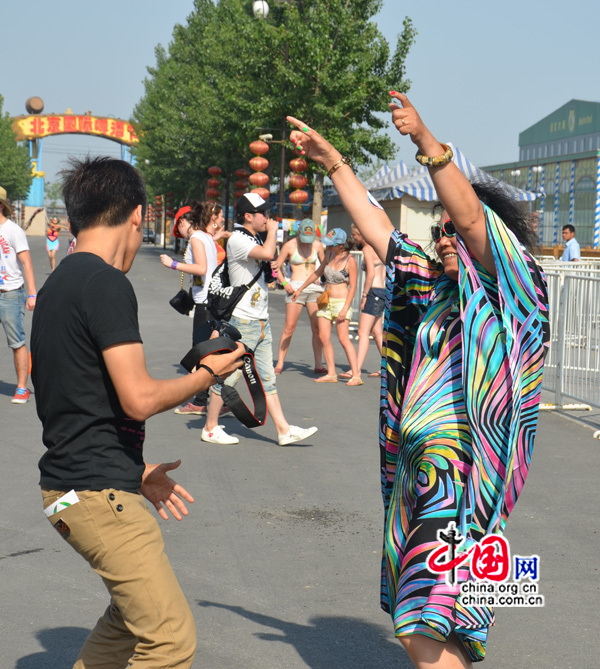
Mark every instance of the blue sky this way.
pixel 481 72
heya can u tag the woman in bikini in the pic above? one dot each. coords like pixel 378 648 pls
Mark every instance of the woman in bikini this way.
pixel 54 227
pixel 340 271
pixel 303 253
pixel 372 302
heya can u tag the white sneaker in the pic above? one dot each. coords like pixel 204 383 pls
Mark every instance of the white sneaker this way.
pixel 296 433
pixel 218 436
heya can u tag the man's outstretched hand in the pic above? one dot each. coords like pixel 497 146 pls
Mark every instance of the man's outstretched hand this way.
pixel 160 489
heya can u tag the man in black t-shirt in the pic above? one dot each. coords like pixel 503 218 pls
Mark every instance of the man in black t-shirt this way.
pixel 93 394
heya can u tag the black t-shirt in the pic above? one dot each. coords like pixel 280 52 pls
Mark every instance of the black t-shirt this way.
pixel 84 307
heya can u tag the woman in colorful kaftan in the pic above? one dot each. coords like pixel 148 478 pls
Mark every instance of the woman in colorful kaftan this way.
pixel 464 342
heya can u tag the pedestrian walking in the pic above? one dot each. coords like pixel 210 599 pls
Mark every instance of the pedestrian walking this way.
pixel 17 293
pixel 199 262
pixel 247 255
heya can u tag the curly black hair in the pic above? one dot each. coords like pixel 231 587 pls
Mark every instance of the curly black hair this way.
pixel 514 213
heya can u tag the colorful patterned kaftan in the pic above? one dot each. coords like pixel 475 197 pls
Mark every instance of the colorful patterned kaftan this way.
pixel 461 379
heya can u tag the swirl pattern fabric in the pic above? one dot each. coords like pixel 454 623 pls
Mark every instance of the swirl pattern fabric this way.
pixel 461 380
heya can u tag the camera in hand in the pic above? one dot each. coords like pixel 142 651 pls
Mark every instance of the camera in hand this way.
pixel 225 343
pixel 204 332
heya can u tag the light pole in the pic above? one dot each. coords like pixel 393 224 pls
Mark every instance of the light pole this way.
pixel 260 9
pixel 515 174
pixel 537 170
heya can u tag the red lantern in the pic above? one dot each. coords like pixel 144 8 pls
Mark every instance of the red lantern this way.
pixel 259 147
pixel 212 194
pixel 258 179
pixel 241 185
pixel 259 164
pixel 298 196
pixel 213 183
pixel 215 171
pixel 238 194
pixel 298 164
pixel 242 174
pixel 263 192
pixel 298 181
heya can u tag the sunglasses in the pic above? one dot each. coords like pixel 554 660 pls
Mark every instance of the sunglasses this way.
pixel 440 229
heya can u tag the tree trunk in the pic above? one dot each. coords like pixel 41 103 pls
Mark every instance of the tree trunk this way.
pixel 317 207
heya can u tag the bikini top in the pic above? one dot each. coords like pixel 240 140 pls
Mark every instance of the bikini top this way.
pixel 335 276
pixel 52 235
pixel 297 259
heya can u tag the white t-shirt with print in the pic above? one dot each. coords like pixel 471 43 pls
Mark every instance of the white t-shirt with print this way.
pixel 12 241
pixel 255 303
pixel 200 283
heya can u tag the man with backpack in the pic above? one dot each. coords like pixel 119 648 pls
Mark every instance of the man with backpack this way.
pixel 246 254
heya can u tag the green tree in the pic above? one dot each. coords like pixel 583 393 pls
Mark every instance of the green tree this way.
pixel 228 77
pixel 15 169
pixel 53 193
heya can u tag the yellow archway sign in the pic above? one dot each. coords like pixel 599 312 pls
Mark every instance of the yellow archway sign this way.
pixel 43 125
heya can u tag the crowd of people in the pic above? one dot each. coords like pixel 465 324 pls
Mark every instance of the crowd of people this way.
pixel 462 337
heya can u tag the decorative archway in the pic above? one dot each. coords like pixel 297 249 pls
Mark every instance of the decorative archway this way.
pixel 32 128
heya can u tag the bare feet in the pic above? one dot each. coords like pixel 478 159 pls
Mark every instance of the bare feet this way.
pixel 345 375
pixel 374 375
pixel 355 381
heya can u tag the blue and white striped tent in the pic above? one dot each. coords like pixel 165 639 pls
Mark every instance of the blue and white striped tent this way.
pixel 383 178
pixel 418 183
pixel 387 175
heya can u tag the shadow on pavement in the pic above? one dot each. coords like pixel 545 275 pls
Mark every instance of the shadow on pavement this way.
pixel 329 642
pixel 8 389
pixel 61 644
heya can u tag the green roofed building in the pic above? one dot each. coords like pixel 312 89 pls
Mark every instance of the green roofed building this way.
pixel 559 157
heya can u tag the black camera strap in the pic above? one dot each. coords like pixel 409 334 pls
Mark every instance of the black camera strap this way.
pixel 230 396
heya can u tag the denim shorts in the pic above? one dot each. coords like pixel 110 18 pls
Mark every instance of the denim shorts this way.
pixel 12 314
pixel 375 303
pixel 257 336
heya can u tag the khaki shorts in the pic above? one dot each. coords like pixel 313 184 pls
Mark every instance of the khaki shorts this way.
pixel 307 296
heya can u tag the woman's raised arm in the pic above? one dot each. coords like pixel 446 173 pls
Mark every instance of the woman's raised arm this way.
pixel 454 190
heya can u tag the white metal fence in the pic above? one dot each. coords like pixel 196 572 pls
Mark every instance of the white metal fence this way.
pixel 572 367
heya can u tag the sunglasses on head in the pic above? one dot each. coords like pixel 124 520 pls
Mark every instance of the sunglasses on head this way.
pixel 440 229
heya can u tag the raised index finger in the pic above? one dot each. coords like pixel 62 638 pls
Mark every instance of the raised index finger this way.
pixel 295 121
pixel 402 99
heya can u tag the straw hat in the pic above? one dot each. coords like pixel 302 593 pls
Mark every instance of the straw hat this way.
pixel 4 201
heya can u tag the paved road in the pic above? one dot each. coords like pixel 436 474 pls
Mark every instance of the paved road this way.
pixel 280 555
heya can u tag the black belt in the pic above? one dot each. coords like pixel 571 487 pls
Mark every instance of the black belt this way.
pixel 230 395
